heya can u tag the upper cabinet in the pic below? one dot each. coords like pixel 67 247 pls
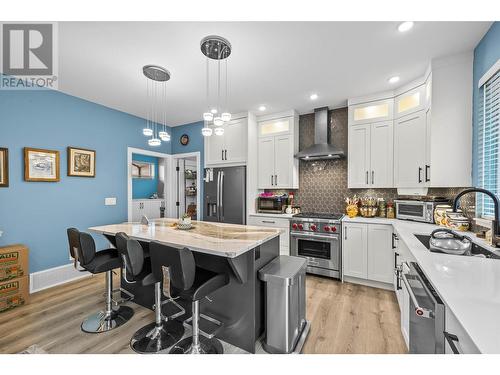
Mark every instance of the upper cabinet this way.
pixel 432 125
pixel 229 149
pixel 277 144
pixel 371 111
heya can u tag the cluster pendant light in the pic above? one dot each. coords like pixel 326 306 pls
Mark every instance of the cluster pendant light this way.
pixel 156 78
pixel 217 50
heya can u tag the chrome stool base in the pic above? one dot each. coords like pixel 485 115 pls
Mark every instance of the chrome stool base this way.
pixel 102 322
pixel 153 338
pixel 205 346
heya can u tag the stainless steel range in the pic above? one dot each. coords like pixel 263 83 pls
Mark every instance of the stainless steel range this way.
pixel 316 237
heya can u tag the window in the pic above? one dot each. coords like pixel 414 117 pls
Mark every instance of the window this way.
pixel 488 143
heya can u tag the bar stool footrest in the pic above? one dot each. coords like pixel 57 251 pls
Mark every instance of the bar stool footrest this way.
pixel 121 300
pixel 167 312
pixel 209 327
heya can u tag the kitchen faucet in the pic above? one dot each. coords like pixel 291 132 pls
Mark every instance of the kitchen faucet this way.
pixel 495 230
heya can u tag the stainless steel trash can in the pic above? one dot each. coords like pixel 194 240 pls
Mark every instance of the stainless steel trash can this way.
pixel 286 325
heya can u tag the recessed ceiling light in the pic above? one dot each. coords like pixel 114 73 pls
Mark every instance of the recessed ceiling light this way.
pixel 313 96
pixel 262 108
pixel 393 79
pixel 405 26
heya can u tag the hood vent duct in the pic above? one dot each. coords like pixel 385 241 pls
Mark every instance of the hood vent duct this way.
pixel 322 149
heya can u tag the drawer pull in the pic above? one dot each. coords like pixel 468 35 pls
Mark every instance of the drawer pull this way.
pixel 269 221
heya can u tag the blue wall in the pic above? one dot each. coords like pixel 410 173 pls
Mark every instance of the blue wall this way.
pixel 486 53
pixel 196 143
pixel 38 213
pixel 143 188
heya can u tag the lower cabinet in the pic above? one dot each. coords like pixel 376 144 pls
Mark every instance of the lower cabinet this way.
pixel 367 252
pixel 275 222
pixel 457 341
pixel 147 207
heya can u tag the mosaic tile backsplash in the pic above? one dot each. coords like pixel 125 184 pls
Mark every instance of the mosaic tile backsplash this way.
pixel 323 184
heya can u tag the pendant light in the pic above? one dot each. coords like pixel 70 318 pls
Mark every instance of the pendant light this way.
pixel 216 49
pixel 156 90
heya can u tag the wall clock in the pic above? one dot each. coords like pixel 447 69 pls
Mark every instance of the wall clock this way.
pixel 184 139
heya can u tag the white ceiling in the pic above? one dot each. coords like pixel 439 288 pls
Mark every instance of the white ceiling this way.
pixel 276 64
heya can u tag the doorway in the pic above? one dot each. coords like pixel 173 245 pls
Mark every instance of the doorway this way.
pixel 187 188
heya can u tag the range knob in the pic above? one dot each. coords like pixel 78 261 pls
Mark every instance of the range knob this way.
pixel 314 227
pixel 326 228
pixel 294 225
pixel 301 226
pixel 334 229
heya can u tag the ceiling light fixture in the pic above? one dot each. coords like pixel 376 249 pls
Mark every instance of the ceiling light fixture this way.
pixel 216 49
pixel 262 108
pixel 313 96
pixel 393 79
pixel 219 131
pixel 405 26
pixel 156 92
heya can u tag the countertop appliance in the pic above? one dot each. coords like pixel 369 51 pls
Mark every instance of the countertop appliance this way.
pixel 316 237
pixel 417 210
pixel 272 204
pixel 224 199
pixel 426 311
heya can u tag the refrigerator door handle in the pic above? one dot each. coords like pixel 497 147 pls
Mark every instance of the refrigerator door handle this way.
pixel 221 196
pixel 218 196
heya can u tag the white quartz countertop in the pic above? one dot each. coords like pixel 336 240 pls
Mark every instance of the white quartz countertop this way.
pixel 228 240
pixel 278 216
pixel 469 286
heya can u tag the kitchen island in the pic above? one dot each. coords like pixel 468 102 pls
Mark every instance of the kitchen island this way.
pixel 238 250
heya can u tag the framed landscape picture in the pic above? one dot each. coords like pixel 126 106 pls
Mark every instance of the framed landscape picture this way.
pixel 41 165
pixel 81 162
pixel 4 167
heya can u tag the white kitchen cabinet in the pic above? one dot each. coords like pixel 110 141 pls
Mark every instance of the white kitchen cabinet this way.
pixel 410 101
pixel 371 111
pixel 277 167
pixel 147 207
pixel 380 256
pixel 370 155
pixel 405 311
pixel 410 145
pixel 354 248
pixel 367 252
pixel 358 158
pixel 230 148
pixel 274 222
pixel 461 340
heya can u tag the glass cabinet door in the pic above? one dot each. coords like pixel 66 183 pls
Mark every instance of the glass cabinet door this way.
pixel 274 127
pixel 371 112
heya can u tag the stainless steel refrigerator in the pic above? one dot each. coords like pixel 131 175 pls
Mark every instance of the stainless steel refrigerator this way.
pixel 224 198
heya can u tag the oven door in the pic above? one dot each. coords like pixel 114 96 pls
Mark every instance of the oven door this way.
pixel 320 251
pixel 410 211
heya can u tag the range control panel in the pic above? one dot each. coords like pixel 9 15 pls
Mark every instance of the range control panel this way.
pixel 327 227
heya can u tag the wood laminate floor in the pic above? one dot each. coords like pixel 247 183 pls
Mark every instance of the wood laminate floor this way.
pixel 345 318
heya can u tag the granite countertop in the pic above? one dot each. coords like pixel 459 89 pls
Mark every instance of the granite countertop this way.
pixel 470 286
pixel 228 240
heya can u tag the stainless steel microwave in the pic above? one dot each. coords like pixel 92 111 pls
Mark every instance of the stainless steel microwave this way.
pixel 416 210
pixel 272 205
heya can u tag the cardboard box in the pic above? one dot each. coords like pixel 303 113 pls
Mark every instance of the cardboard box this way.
pixel 14 293
pixel 14 262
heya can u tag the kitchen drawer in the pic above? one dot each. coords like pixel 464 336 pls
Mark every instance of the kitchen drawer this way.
pixel 269 222
pixel 465 345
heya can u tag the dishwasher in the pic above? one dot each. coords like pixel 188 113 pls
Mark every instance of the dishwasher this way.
pixel 426 310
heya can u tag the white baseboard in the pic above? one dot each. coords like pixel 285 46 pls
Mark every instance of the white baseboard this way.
pixel 54 276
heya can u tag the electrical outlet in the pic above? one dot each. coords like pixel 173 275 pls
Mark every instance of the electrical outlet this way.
pixel 110 201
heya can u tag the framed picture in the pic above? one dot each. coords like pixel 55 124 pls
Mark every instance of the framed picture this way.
pixel 41 165
pixel 81 162
pixel 184 139
pixel 4 167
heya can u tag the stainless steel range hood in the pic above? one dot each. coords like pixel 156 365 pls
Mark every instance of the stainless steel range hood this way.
pixel 322 149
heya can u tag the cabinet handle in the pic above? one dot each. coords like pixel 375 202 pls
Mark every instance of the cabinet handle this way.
pixel 269 221
pixel 398 278
pixel 396 260
pixel 451 341
pixel 272 180
pixel 366 178
pixel 427 168
pixel 345 233
pixel 419 175
pixel 222 157
pixel 373 177
pixel 225 154
pixel 394 238
pixel 276 179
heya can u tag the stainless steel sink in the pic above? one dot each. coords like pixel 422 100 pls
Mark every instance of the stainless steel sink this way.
pixel 476 251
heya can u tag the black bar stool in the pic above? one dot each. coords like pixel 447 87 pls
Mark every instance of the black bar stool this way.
pixel 82 249
pixel 163 332
pixel 193 284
